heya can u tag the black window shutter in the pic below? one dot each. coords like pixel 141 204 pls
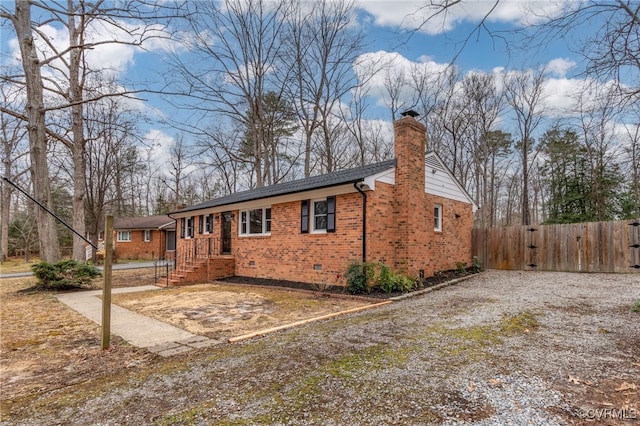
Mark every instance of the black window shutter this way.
pixel 201 224
pixel 331 214
pixel 304 217
pixel 182 226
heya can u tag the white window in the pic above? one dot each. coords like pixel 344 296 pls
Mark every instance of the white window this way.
pixel 189 230
pixel 437 217
pixel 319 214
pixel 186 227
pixel 100 236
pixel 147 235
pixel 123 236
pixel 255 222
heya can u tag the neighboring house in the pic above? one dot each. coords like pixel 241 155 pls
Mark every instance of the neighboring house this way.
pixel 151 237
pixel 409 213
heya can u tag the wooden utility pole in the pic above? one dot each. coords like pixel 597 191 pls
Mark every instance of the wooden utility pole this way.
pixel 106 288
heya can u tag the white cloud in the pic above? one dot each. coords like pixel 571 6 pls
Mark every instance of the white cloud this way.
pixel 560 96
pixel 432 19
pixel 395 69
pixel 160 145
pixel 560 66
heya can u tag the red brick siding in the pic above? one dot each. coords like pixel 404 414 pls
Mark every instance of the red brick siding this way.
pixel 221 267
pixel 382 231
pixel 428 250
pixel 291 255
pixel 137 248
pixel 453 244
pixel 410 141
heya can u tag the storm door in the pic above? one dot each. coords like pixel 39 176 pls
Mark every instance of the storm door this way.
pixel 226 232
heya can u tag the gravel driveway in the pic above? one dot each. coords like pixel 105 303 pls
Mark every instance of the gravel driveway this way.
pixel 501 348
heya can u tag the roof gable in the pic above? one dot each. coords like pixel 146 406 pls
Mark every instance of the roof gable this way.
pixel 440 181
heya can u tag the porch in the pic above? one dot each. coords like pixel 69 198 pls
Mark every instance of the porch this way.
pixel 200 260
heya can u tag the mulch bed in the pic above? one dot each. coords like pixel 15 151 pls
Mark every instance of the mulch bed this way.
pixel 375 293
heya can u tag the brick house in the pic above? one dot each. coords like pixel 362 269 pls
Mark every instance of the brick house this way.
pixel 144 238
pixel 409 213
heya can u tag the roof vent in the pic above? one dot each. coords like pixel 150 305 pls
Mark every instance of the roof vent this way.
pixel 410 113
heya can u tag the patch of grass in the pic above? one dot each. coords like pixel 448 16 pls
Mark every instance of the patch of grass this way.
pixel 523 322
pixel 465 345
pixel 375 358
pixel 12 266
pixel 636 306
pixel 187 418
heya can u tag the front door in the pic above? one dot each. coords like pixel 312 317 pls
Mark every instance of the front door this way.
pixel 226 232
pixel 171 241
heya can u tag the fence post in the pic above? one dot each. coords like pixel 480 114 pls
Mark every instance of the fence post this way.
pixel 106 288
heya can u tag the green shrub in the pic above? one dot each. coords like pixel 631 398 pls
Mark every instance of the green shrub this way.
pixel 403 283
pixel 358 276
pixel 476 266
pixel 636 307
pixel 392 282
pixel 362 277
pixel 63 275
pixel 384 278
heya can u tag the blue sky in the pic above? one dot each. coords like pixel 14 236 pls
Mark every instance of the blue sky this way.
pixel 388 25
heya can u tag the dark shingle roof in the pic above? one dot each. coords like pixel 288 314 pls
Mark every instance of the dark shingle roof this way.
pixel 148 222
pixel 300 185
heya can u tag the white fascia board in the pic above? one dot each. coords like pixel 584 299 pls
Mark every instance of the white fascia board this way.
pixel 387 176
pixel 279 199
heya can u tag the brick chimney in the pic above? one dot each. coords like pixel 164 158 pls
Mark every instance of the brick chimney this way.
pixel 410 142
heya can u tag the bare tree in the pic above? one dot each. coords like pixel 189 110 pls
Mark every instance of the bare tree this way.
pixel 178 171
pixel 394 82
pixel 448 118
pixel 524 94
pixel 322 46
pixel 219 149
pixel 239 44
pixel 35 118
pixel 67 74
pixel 597 112
pixel 13 135
pixel 632 162
pixel 483 107
pixel 367 135
pixel 610 45
pixel 110 129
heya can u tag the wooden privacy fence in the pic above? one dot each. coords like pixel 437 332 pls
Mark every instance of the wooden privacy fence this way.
pixel 577 247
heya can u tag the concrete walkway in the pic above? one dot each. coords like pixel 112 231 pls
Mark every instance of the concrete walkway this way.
pixel 139 330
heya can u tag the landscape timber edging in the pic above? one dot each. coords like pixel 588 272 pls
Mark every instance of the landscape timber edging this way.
pixel 434 288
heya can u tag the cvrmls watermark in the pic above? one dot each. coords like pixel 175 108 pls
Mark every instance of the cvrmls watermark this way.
pixel 608 413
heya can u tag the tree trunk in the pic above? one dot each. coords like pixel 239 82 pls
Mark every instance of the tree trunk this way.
pixel 525 189
pixel 47 233
pixel 5 204
pixel 77 127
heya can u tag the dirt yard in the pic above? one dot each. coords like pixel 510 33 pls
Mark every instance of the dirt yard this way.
pixel 501 348
pixel 45 345
pixel 222 311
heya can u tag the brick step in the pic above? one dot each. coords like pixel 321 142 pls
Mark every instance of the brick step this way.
pixel 186 274
pixel 197 271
